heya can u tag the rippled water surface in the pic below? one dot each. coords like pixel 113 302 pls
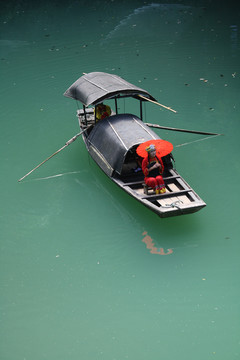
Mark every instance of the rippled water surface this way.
pixel 78 279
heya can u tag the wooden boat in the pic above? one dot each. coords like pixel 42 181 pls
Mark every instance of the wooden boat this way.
pixel 112 143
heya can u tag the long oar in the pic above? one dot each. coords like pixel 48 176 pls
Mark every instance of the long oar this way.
pixel 157 103
pixel 182 130
pixel 58 151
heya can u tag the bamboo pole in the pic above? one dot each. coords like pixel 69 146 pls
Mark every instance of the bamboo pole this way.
pixel 182 130
pixel 157 103
pixel 56 152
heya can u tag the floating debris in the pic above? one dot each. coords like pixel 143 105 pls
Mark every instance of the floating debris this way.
pixel 53 48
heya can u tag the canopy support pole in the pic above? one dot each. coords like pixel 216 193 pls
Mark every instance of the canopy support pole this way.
pixel 85 116
pixel 141 112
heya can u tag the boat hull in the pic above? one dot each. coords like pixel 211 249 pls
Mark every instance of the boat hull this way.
pixel 179 199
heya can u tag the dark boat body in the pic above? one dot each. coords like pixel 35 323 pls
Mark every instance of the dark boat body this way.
pixel 112 143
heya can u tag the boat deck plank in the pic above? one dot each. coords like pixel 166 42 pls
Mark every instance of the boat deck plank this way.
pixel 166 179
pixel 174 200
pixel 168 194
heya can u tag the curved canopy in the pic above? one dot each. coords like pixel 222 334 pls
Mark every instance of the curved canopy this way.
pixel 114 136
pixel 95 87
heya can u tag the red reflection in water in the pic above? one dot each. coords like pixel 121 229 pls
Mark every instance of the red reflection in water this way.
pixel 151 246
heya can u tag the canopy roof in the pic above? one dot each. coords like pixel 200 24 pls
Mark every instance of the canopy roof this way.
pixel 114 136
pixel 95 87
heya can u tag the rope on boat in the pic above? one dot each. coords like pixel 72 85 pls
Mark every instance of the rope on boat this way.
pixel 173 204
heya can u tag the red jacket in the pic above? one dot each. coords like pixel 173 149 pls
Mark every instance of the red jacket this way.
pixel 146 164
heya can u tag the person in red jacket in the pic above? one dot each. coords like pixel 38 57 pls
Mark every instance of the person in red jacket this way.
pixel 152 167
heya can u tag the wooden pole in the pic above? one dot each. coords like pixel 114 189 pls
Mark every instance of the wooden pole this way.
pixel 157 103
pixel 182 130
pixel 56 152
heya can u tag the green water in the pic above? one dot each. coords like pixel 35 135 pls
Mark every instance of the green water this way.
pixel 77 280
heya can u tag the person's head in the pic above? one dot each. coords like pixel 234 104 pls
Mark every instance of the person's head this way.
pixel 151 150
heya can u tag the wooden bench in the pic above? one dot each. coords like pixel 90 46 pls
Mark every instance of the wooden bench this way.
pixel 147 189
